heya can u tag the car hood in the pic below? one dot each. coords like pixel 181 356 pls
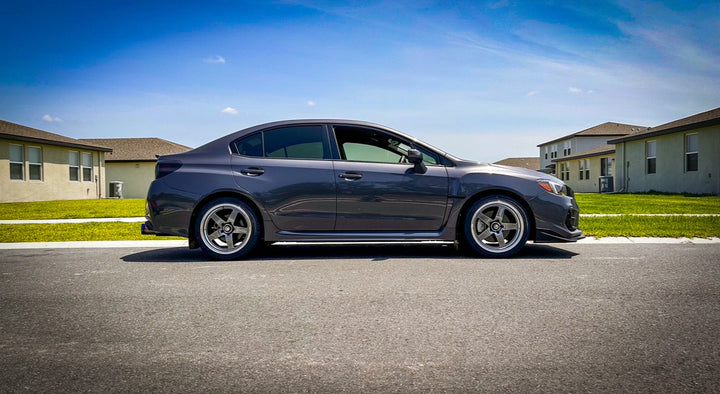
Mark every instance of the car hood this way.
pixel 487 168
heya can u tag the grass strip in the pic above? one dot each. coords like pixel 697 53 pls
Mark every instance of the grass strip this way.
pixel 74 232
pixel 651 226
pixel 72 209
pixel 646 203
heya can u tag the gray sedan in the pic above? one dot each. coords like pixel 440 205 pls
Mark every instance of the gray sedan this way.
pixel 349 181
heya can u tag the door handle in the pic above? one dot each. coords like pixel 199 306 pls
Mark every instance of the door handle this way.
pixel 252 171
pixel 351 176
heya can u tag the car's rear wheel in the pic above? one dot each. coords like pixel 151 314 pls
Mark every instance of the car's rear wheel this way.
pixel 496 226
pixel 227 229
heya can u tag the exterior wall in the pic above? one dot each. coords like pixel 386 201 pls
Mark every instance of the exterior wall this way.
pixel 136 177
pixel 577 145
pixel 670 174
pixel 55 183
pixel 592 184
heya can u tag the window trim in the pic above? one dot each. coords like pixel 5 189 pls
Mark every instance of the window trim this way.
pixel 648 157
pixel 76 166
pixel 40 164
pixel 83 166
pixel 21 163
pixel 695 152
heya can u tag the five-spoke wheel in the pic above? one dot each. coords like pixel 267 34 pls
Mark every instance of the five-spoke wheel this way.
pixel 227 229
pixel 496 226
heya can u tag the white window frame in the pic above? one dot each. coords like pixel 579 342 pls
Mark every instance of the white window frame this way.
pixel 587 168
pixel 648 156
pixel 75 167
pixel 84 166
pixel 695 152
pixel 32 164
pixel 15 162
pixel 581 168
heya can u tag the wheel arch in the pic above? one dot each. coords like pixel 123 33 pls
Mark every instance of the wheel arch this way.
pixel 222 194
pixel 494 192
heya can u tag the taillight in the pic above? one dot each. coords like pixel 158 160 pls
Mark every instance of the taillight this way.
pixel 163 168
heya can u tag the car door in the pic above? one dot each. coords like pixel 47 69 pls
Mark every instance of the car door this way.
pixel 377 190
pixel 289 172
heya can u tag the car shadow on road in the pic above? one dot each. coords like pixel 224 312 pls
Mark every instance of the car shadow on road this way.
pixel 345 252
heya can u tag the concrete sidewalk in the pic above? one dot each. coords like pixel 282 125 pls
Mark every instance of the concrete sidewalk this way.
pixel 88 220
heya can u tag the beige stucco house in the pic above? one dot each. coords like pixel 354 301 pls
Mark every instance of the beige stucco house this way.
pixel 682 156
pixel 553 152
pixel 132 162
pixel 589 171
pixel 36 165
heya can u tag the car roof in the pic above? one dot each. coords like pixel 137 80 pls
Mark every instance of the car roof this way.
pixel 226 140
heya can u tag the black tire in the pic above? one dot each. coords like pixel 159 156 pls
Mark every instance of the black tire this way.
pixel 227 229
pixel 496 226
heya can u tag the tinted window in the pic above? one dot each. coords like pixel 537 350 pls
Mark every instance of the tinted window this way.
pixel 297 142
pixel 250 146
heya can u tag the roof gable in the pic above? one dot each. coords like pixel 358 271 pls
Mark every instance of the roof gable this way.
pixel 18 132
pixel 138 149
pixel 697 121
pixel 607 129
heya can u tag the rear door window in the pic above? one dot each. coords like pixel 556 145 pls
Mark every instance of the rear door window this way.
pixel 293 142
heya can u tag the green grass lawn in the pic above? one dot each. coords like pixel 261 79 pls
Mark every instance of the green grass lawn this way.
pixel 646 203
pixel 590 203
pixel 74 232
pixel 73 209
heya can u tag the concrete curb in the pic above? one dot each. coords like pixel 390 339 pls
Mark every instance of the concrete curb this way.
pixel 184 244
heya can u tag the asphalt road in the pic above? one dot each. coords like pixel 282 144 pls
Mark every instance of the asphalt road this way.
pixel 570 318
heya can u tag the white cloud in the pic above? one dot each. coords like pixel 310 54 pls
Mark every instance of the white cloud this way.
pixel 311 103
pixel 49 118
pixel 574 90
pixel 532 93
pixel 215 60
pixel 230 110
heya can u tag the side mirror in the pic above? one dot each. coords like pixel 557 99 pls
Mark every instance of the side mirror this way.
pixel 416 157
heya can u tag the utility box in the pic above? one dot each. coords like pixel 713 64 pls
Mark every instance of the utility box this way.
pixel 605 184
pixel 116 189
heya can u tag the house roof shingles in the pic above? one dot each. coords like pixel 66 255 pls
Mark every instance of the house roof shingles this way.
pixel 137 149
pixel 703 119
pixel 531 163
pixel 607 129
pixel 18 132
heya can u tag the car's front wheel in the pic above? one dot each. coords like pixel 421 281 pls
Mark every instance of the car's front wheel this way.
pixel 227 229
pixel 496 226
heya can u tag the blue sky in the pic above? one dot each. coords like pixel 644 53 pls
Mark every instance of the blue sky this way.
pixel 482 80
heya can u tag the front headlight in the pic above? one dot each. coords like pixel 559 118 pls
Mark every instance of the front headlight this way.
pixel 552 187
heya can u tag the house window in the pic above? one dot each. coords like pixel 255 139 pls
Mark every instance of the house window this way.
pixel 606 166
pixel 87 167
pixel 35 164
pixel 691 152
pixel 74 160
pixel 546 152
pixel 584 169
pixel 17 163
pixel 567 148
pixel 587 169
pixel 565 171
pixel 651 159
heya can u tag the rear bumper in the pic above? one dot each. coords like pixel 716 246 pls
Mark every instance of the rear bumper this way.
pixel 147 229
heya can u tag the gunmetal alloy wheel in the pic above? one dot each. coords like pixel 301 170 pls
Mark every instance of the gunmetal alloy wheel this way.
pixel 496 226
pixel 227 229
